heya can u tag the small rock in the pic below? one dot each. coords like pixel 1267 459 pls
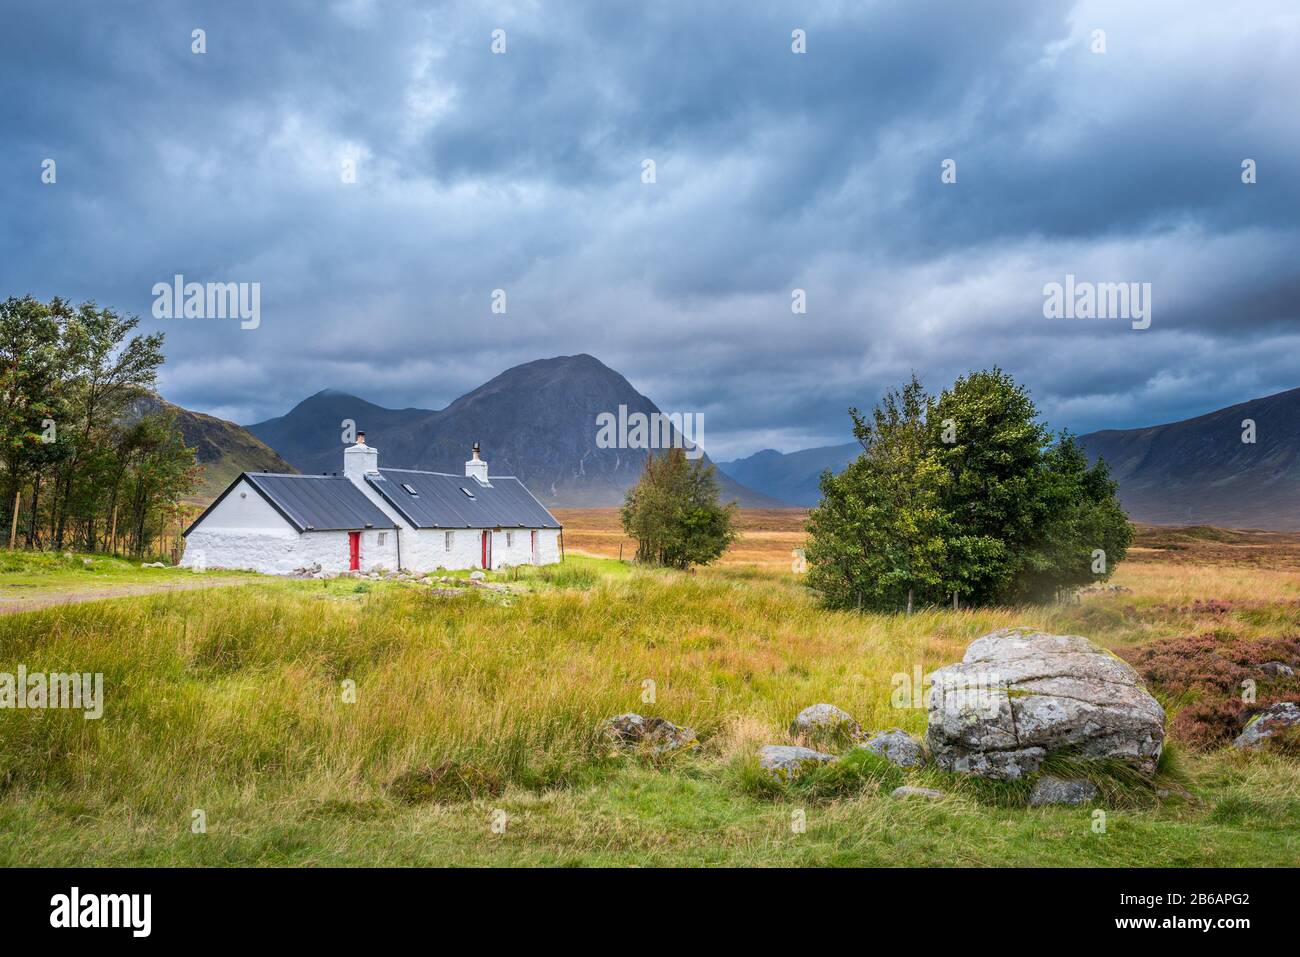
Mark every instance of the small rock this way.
pixel 1051 790
pixel 1105 589
pixel 150 565
pixel 1280 668
pixel 476 576
pixel 656 735
pixel 896 746
pixel 907 791
pixel 786 761
pixel 1267 723
pixel 824 721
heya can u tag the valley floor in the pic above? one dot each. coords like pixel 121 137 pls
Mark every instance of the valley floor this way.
pixel 356 722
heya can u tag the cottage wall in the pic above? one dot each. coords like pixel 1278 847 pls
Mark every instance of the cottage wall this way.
pixel 274 552
pixel 244 531
pixel 424 549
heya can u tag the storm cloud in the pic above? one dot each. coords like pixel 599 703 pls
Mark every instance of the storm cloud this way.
pixel 774 171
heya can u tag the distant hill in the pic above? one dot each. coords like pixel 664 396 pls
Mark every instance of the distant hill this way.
pixel 223 448
pixel 536 421
pixel 791 476
pixel 1200 472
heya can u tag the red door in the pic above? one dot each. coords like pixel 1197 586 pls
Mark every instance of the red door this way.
pixel 533 543
pixel 487 550
pixel 354 551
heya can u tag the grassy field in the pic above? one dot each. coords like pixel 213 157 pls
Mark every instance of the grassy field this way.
pixel 231 702
pixel 41 579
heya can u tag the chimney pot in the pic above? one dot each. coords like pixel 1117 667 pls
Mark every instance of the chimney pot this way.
pixel 476 468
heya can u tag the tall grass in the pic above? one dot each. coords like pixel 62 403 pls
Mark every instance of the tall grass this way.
pixel 235 697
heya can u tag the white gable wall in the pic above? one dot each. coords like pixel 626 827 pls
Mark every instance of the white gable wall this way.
pixel 245 531
pixel 245 508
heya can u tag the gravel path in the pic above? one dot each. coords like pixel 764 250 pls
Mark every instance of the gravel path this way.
pixel 9 606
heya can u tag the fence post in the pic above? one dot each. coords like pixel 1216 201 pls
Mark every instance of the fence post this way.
pixel 13 524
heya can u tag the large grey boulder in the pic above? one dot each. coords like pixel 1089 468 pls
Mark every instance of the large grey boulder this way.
pixel 1268 723
pixel 824 722
pixel 896 746
pixel 786 761
pixel 1019 695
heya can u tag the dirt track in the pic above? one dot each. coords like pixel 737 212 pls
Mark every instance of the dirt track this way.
pixel 77 596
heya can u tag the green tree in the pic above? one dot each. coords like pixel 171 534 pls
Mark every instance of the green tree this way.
pixel 1085 534
pixel 157 469
pixel 968 495
pixel 32 387
pixel 69 441
pixel 878 539
pixel 984 431
pixel 675 514
pixel 109 367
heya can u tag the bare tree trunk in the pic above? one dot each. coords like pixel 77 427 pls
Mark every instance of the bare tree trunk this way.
pixel 909 601
pixel 36 497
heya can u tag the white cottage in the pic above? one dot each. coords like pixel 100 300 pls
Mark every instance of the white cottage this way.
pixel 368 518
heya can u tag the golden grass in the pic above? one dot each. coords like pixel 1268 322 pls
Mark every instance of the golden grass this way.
pixel 768 536
pixel 231 700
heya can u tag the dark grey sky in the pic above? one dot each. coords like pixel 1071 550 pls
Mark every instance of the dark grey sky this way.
pixel 775 171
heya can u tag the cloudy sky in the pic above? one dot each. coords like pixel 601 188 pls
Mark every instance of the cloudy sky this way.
pixel 774 171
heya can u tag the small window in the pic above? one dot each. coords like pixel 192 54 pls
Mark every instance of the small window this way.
pixel 467 491
pixel 448 539
pixel 410 489
pixel 510 539
pixel 383 539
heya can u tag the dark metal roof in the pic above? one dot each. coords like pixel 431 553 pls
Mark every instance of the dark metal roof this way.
pixel 311 503
pixel 439 501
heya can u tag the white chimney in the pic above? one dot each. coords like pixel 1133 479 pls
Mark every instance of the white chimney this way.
pixel 476 468
pixel 360 459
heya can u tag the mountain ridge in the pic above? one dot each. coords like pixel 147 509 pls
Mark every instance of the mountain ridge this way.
pixel 222 448
pixel 536 421
pixel 1202 471
pixel 793 477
